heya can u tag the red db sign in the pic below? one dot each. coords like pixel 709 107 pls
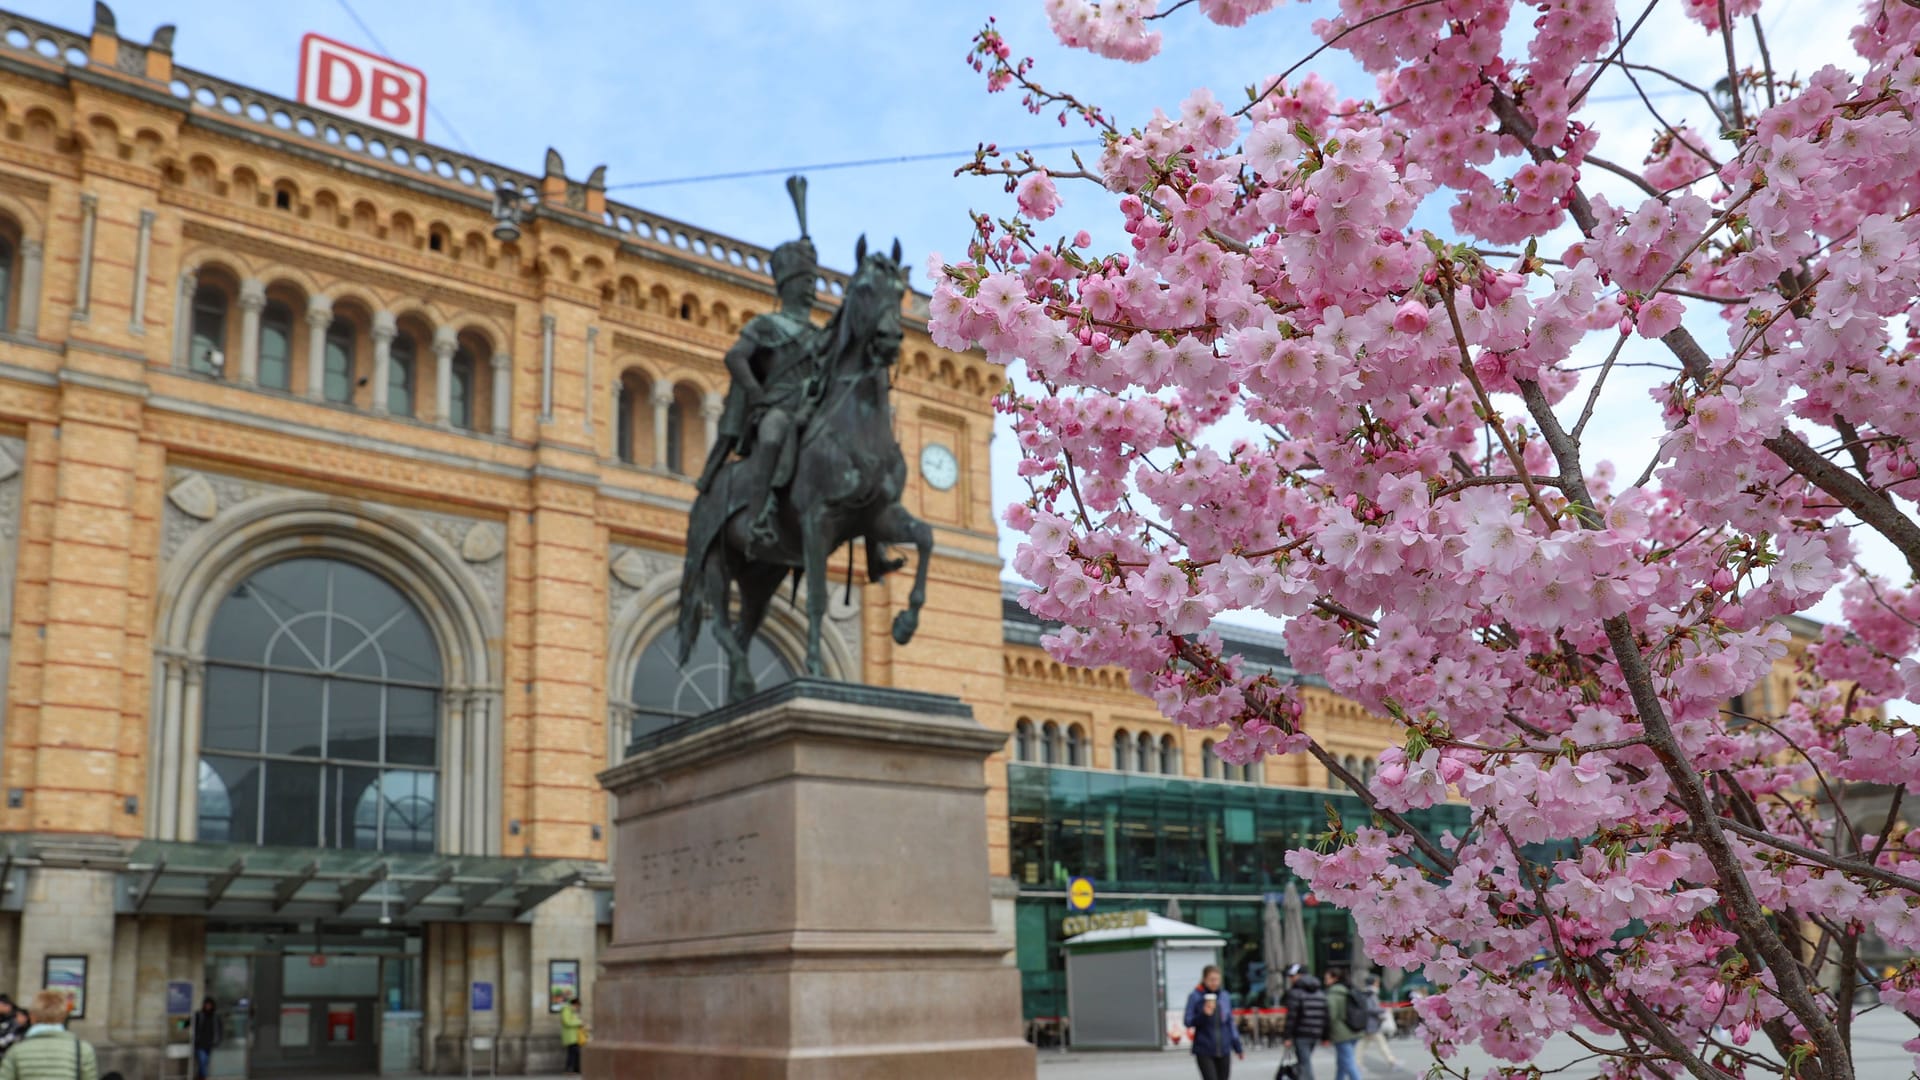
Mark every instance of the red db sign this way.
pixel 361 86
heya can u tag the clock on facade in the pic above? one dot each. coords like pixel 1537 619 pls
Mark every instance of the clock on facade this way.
pixel 939 467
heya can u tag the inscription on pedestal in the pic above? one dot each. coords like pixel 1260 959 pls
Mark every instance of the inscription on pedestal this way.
pixel 727 867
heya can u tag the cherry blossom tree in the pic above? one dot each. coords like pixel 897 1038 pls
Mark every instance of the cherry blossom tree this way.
pixel 1357 369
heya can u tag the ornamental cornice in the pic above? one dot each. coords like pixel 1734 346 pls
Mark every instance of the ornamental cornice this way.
pixel 653 343
pixel 308 258
pixel 25 186
pixel 329 462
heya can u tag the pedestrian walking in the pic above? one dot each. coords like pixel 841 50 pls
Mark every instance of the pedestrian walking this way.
pixel 1210 1028
pixel 208 1032
pixel 48 1051
pixel 1306 1006
pixel 1375 1038
pixel 573 1033
pixel 1346 1022
pixel 13 1023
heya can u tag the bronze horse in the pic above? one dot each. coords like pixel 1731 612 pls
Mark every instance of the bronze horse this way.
pixel 846 484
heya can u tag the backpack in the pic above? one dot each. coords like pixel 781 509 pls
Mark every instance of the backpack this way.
pixel 1356 1010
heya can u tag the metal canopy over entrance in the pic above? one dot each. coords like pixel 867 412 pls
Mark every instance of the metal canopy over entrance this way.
pixel 241 881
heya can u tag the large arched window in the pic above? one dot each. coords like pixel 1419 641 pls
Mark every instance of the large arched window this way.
pixel 1209 761
pixel 1144 758
pixel 321 723
pixel 460 394
pixel 1169 756
pixel 1122 750
pixel 207 349
pixel 339 371
pixel 665 693
pixel 1076 745
pixel 276 345
pixel 401 356
pixel 1050 748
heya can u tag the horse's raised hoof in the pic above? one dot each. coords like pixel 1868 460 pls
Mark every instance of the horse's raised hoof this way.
pixel 904 624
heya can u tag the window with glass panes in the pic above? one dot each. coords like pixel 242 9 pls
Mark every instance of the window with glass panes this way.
pixel 400 359
pixel 276 345
pixel 338 384
pixel 666 691
pixel 320 725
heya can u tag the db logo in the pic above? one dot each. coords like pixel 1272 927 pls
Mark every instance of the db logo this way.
pixel 364 87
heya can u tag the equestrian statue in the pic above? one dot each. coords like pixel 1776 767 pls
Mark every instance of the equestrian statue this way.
pixel 805 460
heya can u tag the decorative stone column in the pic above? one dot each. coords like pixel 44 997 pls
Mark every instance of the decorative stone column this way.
pixel 586 423
pixel 710 411
pixel 253 300
pixel 384 328
pixel 547 327
pixel 83 289
pixel 183 319
pixel 187 812
pixel 662 401
pixel 797 871
pixel 502 395
pixel 319 318
pixel 165 794
pixel 444 345
pixel 32 255
pixel 137 324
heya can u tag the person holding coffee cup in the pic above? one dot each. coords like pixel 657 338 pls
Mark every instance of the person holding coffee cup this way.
pixel 1210 1027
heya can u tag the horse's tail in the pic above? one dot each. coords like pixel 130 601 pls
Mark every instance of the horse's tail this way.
pixel 692 606
pixel 704 525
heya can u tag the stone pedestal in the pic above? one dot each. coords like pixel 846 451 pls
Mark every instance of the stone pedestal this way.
pixel 801 893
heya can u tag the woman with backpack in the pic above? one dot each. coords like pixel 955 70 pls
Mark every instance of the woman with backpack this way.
pixel 48 1051
pixel 1346 1022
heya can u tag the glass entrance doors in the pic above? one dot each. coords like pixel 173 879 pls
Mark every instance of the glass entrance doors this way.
pixel 306 1000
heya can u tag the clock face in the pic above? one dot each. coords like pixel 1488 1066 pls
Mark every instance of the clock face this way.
pixel 939 467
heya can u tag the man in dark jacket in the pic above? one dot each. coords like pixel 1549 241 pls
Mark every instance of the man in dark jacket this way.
pixel 1306 1007
pixel 1210 1027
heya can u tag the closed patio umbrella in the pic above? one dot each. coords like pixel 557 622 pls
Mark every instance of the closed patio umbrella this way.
pixel 1293 928
pixel 1173 909
pixel 1273 950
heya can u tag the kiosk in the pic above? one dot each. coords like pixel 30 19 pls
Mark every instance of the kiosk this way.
pixel 1128 977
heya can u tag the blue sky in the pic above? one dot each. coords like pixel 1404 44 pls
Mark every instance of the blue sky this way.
pixel 665 90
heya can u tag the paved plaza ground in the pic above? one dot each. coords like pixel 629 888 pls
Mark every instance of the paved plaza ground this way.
pixel 1876 1040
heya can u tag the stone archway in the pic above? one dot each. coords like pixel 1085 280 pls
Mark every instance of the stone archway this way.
pixel 257 533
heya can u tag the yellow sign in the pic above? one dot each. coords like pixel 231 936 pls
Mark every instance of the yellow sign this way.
pixel 1074 925
pixel 1080 894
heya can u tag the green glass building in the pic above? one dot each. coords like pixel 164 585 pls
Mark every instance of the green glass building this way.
pixel 1147 841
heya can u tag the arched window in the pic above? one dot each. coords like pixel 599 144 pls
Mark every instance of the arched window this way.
pixel 1367 768
pixel 1076 745
pixel 400 364
pixel 665 692
pixel 339 372
pixel 207 351
pixel 623 422
pixel 1209 761
pixel 321 724
pixel 1253 772
pixel 7 251
pixel 1023 740
pixel 460 394
pixel 1169 756
pixel 1050 743
pixel 676 460
pixel 1143 756
pixel 1122 750
pixel 276 345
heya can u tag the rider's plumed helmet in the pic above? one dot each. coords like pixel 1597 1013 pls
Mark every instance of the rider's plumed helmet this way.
pixel 795 258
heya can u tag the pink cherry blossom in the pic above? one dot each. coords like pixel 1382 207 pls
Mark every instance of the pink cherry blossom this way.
pixel 1292 391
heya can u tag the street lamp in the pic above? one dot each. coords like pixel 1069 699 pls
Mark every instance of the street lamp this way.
pixel 509 210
